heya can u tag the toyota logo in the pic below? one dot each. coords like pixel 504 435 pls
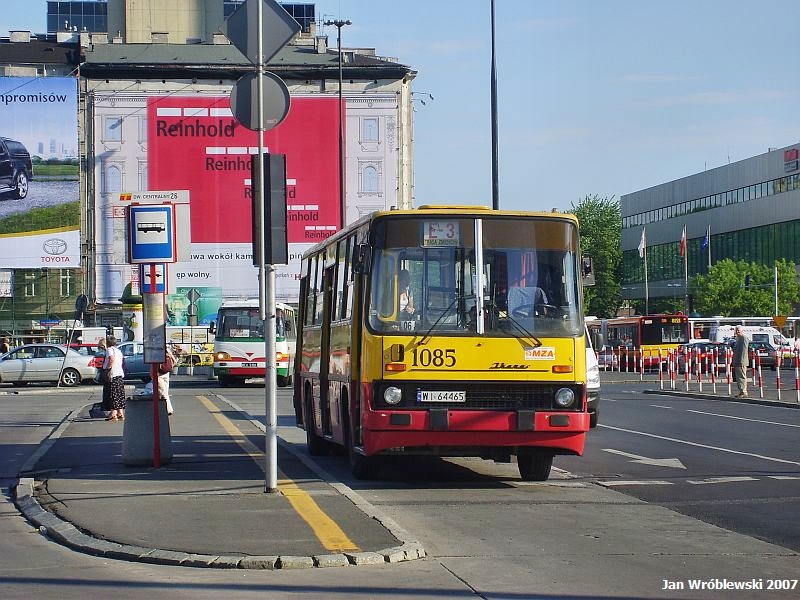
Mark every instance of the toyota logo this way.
pixel 54 246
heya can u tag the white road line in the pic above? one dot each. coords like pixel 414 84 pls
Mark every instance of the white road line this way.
pixel 786 477
pixel 688 443
pixel 659 406
pixel 712 480
pixel 700 412
pixel 646 482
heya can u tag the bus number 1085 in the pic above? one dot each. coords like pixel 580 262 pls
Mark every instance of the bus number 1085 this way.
pixel 437 357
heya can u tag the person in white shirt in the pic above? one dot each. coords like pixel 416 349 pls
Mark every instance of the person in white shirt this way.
pixel 114 380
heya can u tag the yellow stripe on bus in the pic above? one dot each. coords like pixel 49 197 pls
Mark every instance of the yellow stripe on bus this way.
pixel 327 531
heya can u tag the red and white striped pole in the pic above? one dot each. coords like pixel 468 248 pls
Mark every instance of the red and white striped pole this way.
pixel 714 370
pixel 760 378
pixel 778 373
pixel 641 364
pixel 687 368
pixel 797 374
pixel 728 353
pixel 698 361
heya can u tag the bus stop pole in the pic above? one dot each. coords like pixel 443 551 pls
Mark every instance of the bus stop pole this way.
pixel 266 293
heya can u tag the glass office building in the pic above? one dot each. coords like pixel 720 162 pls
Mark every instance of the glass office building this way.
pixel 89 15
pixel 748 210
pixel 92 15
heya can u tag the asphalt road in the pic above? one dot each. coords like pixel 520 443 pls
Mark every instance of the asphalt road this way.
pixel 487 534
pixel 726 463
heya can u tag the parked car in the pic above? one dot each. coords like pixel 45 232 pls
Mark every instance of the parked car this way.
pixel 701 355
pixel 607 360
pixel 133 361
pixel 766 353
pixel 46 363
pixel 16 168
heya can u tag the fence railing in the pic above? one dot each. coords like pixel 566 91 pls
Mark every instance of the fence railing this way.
pixel 703 370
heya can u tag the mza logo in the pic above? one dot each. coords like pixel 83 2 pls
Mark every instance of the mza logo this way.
pixel 540 353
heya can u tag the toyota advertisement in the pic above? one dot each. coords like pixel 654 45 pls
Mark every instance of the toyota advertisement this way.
pixel 39 173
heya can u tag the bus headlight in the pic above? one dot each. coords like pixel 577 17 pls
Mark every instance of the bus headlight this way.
pixel 565 397
pixel 392 395
pixel 222 356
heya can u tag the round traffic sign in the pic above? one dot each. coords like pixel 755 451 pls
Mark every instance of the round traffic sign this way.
pixel 244 101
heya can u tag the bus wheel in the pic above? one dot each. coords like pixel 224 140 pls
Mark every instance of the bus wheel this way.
pixel 535 466
pixel 316 445
pixel 225 380
pixel 283 381
pixel 362 467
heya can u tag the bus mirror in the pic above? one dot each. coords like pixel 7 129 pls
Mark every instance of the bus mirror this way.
pixel 361 259
pixel 587 270
pixel 212 327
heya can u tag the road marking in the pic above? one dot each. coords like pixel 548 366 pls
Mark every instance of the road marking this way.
pixel 782 477
pixel 712 480
pixel 700 412
pixel 655 462
pixel 659 406
pixel 636 482
pixel 688 443
pixel 327 531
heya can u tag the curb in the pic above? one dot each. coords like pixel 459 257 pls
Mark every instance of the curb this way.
pixel 66 534
pixel 702 396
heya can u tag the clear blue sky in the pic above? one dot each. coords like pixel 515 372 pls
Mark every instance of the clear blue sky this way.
pixel 595 97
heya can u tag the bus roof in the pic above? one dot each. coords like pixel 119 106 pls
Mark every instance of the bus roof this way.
pixel 450 210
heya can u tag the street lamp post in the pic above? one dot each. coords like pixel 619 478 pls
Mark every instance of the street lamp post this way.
pixel 339 23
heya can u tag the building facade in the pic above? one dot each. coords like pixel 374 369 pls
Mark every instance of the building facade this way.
pixel 747 210
pixel 156 117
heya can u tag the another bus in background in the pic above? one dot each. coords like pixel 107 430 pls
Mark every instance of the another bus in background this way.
pixel 239 345
pixel 649 337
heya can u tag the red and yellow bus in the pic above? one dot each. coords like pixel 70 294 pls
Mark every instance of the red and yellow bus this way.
pixel 641 336
pixel 489 361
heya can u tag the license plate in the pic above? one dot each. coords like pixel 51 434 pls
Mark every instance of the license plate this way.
pixel 430 396
pixel 249 364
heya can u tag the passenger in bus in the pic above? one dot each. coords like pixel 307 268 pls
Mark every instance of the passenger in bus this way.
pixel 739 361
pixel 406 299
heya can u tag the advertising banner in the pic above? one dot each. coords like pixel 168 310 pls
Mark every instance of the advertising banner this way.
pixel 39 172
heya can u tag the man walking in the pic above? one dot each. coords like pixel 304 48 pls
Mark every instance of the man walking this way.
pixel 739 362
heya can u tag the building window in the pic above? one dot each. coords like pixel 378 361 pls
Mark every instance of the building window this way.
pixel 67 282
pixel 112 179
pixel 369 179
pixel 369 129
pixel 112 129
pixel 30 284
pixel 142 130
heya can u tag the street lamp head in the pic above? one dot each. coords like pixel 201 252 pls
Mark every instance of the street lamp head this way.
pixel 338 23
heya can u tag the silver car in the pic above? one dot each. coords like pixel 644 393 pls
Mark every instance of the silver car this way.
pixel 46 363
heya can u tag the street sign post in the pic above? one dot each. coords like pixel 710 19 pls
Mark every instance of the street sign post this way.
pixel 259 29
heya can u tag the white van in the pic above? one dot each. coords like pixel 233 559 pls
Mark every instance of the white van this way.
pixel 592 383
pixel 756 333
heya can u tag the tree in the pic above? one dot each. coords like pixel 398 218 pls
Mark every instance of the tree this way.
pixel 601 230
pixel 741 289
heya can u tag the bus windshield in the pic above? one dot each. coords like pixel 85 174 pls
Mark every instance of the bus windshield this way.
pixel 240 323
pixel 437 276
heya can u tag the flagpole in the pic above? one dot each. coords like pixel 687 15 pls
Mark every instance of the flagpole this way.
pixel 708 237
pixel 686 278
pixel 646 287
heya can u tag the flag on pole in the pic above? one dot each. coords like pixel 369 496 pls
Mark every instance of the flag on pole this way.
pixel 683 242
pixel 707 238
pixel 642 243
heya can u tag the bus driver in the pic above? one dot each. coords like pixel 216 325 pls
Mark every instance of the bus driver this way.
pixel 406 299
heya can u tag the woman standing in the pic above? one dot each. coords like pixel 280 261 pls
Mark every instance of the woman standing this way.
pixel 114 386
